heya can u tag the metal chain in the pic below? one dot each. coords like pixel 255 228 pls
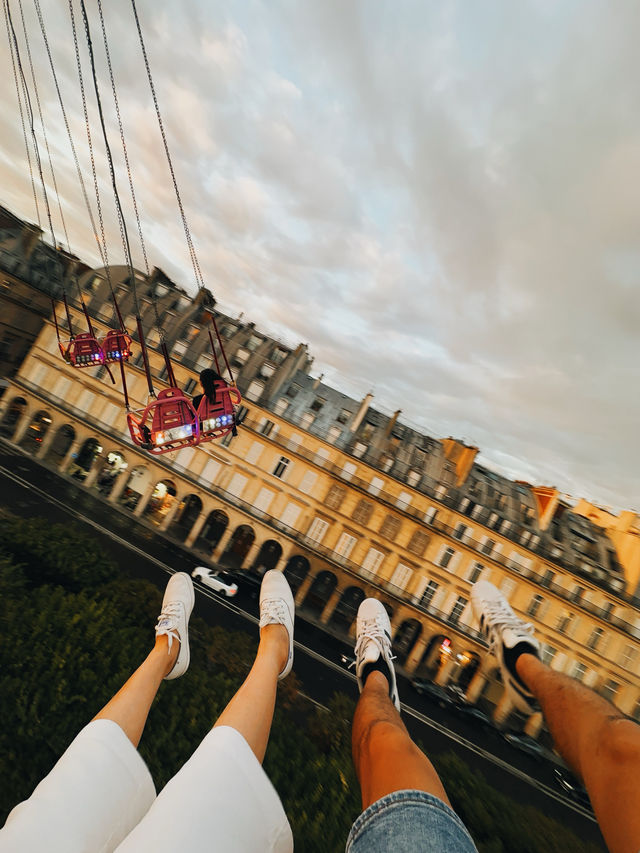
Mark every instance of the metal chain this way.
pixel 24 129
pixel 122 139
pixel 42 124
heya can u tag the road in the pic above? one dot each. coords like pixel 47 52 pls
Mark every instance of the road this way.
pixel 30 489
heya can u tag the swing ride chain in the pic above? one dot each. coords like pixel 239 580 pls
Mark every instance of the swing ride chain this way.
pixel 24 129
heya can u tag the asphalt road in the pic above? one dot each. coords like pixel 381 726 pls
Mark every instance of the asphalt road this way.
pixel 30 489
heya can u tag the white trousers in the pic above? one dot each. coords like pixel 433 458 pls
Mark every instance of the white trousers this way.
pixel 100 797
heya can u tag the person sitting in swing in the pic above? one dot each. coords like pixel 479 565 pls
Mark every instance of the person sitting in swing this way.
pixel 208 380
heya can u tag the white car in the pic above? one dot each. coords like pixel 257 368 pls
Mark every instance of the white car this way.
pixel 221 582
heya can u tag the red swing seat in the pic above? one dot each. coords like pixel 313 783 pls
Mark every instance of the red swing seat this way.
pixel 116 346
pixel 218 418
pixel 83 351
pixel 173 423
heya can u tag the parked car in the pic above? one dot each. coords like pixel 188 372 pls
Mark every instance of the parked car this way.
pixel 470 712
pixel 348 660
pixel 248 582
pixel 220 582
pixel 440 695
pixel 572 788
pixel 529 746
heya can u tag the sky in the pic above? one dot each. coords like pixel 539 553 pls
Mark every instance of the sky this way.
pixel 442 199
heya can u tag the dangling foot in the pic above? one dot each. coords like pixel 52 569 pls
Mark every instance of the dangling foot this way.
pixel 373 646
pixel 173 621
pixel 277 608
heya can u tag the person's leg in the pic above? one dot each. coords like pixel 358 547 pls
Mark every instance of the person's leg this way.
pixel 600 745
pixel 101 788
pixel 405 806
pixel 598 742
pixel 222 792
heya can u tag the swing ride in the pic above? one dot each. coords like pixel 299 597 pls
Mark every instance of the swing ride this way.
pixel 170 420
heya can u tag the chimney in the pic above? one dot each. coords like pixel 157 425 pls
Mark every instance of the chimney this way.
pixel 461 455
pixel 364 405
pixel 392 422
pixel 547 498
pixel 316 382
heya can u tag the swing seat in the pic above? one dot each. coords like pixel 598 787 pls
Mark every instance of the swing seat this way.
pixel 217 419
pixel 84 351
pixel 166 424
pixel 116 346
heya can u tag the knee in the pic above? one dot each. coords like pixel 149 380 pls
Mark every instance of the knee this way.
pixel 379 735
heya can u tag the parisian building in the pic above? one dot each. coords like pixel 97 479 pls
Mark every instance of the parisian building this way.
pixel 348 501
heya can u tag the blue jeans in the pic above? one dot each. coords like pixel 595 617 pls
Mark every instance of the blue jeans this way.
pixel 409 822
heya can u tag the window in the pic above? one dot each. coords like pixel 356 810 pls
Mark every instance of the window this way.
pixel 430 515
pixel 344 416
pixel 477 510
pixel 255 390
pixel 386 463
pixel 505 527
pixel 210 471
pixel 461 532
pixel 253 454
pixel 390 527
pixel 203 362
pixel 606 609
pixel 317 404
pixel 317 529
pixel 547 654
pixel 333 434
pixel 401 576
pixel 262 502
pixel 375 486
pixel 446 558
pixel 363 511
pixel 240 357
pixel 306 421
pixel 281 406
pixel 578 671
pixel 525 537
pixel 534 541
pixel 294 440
pixel 610 690
pixel 418 543
pixel 594 639
pixel 348 470
pixel 290 514
pixel 373 560
pixel 493 518
pixel 237 484
pixel 564 622
pixel 266 370
pixel 441 492
pixel 345 545
pixel 507 587
pixel 547 579
pixel 359 450
pixel 162 375
pixel 281 467
pixel 403 500
pixel 227 439
pixel 265 427
pixel 413 478
pixel 458 607
pixel 464 503
pixel 308 482
pixel 335 496
pixel 487 546
pixel 292 391
pixel 321 456
pixel 535 605
pixel 628 656
pixel 576 595
pixel 474 572
pixel 179 349
pixel 254 342
pixel 278 355
pixel 241 414
pixel 427 596
pixel 190 386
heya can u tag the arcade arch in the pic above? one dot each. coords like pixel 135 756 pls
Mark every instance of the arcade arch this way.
pixel 13 414
pixel 34 436
pixel 238 547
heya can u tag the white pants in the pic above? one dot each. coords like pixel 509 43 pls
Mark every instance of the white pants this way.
pixel 100 797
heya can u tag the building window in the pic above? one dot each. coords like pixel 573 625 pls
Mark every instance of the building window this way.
pixel 241 414
pixel 190 386
pixel 401 576
pixel 534 541
pixel 179 349
pixel 505 527
pixel 610 690
pixel 628 656
pixel 547 654
pixel 292 391
pixel 306 421
pixel 266 427
pixel 317 529
pixel 576 595
pixel 535 605
pixel 418 543
pixel 458 607
pixel 308 482
pixel 281 406
pixel 487 546
pixel 460 532
pixel 403 500
pixel 266 371
pixel 344 416
pixel 594 639
pixel 363 512
pixel 390 527
pixel 564 622
pixel 281 467
pixel 345 545
pixel 446 558
pixel 373 560
pixel 474 572
pixel 335 496
pixel 226 440
pixel 547 579
pixel 606 610
pixel 348 470
pixel 413 478
pixel 359 449
pixel 427 596
pixel 430 515
pixel 476 512
pixel 254 342
pixel 255 389
pixel 240 357
pixel 317 404
pixel 464 503
pixel 254 453
pixel 375 486
pixel 493 518
pixel 278 355
pixel 162 375
pixel 333 434
pixel 579 670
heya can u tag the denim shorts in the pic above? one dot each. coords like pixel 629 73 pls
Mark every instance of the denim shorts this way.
pixel 409 822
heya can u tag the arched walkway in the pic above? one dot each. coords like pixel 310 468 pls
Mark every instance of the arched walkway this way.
pixel 15 410
pixel 468 664
pixel 83 462
pixel 405 639
pixel 115 466
pixel 188 512
pixel 436 654
pixel 215 525
pixel 320 591
pixel 268 556
pixel 160 501
pixel 137 485
pixel 60 445
pixel 238 547
pixel 38 428
pixel 347 608
pixel 296 570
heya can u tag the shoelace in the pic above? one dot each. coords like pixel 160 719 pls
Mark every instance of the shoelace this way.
pixel 273 611
pixel 168 622
pixel 372 631
pixel 498 614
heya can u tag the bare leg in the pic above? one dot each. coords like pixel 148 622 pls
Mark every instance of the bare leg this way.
pixel 385 757
pixel 250 712
pixel 600 745
pixel 130 706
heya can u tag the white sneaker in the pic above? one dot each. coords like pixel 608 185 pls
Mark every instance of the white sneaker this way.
pixel 173 621
pixel 277 608
pixel 504 631
pixel 373 638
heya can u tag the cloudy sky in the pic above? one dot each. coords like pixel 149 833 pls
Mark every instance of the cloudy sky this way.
pixel 442 199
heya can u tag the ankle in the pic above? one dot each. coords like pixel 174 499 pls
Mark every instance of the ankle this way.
pixel 166 654
pixel 274 642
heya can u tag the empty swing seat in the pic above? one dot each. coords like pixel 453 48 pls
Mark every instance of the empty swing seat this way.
pixel 166 424
pixel 116 346
pixel 84 351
